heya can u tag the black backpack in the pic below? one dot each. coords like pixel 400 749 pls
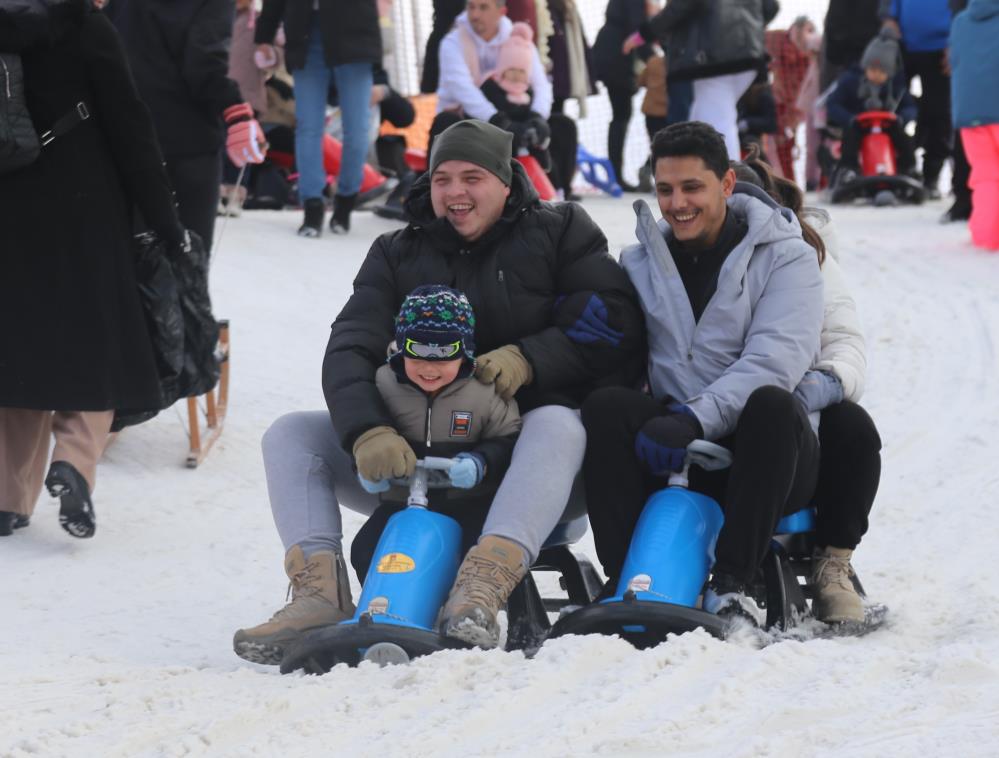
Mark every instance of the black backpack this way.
pixel 19 144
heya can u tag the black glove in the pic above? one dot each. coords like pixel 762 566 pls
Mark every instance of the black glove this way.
pixel 661 444
pixel 501 120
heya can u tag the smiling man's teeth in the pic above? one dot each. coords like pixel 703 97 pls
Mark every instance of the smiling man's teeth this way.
pixel 460 207
pixel 685 217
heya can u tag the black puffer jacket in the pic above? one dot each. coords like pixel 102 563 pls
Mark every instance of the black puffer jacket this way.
pixel 513 276
pixel 705 38
pixel 349 29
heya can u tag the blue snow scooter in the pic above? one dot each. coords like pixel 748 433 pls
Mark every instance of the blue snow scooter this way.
pixel 671 555
pixel 412 569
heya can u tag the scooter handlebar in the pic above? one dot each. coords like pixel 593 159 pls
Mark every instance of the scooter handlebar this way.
pixel 708 455
pixel 433 470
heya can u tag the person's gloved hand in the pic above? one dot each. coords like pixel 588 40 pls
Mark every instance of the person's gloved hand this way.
pixel 244 142
pixel 467 470
pixel 661 444
pixel 506 367
pixel 382 485
pixel 584 319
pixel 502 121
pixel 382 453
pixel 818 390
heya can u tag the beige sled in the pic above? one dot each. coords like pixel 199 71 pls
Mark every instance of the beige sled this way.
pixel 216 402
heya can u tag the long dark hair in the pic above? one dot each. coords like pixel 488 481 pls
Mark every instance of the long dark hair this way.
pixel 757 171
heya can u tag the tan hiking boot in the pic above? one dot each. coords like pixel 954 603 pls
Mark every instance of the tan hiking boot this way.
pixel 836 599
pixel 485 580
pixel 320 596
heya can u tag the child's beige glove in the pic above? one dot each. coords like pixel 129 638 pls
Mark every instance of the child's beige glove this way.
pixel 506 367
pixel 382 453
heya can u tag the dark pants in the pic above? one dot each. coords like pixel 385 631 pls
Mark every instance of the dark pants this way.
pixel 933 125
pixel 680 96
pixel 565 140
pixel 620 102
pixel 962 172
pixel 470 514
pixel 654 123
pixel 196 181
pixel 848 475
pixel 905 160
pixel 775 467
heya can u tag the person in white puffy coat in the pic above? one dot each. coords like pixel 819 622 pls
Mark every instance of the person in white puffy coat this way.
pixel 850 463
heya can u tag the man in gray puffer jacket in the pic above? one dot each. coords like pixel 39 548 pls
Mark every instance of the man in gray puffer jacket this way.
pixel 733 304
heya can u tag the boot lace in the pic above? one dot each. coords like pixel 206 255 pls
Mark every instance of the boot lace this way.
pixel 485 582
pixel 304 584
pixel 833 570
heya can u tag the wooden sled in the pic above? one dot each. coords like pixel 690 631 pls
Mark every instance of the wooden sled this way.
pixel 216 403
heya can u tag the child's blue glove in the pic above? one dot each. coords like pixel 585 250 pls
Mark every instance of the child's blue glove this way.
pixel 467 470
pixel 818 390
pixel 382 485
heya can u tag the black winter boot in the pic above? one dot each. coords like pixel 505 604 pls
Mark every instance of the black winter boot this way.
pixel 342 206
pixel 9 521
pixel 315 209
pixel 76 512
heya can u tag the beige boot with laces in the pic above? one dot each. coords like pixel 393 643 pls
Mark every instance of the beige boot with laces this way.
pixel 836 599
pixel 486 578
pixel 320 596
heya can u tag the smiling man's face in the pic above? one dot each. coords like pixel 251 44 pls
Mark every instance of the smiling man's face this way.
pixel 468 196
pixel 692 198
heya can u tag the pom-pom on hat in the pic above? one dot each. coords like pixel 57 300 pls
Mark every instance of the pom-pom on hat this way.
pixel 436 323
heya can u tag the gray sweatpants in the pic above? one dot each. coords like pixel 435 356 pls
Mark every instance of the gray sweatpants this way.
pixel 309 476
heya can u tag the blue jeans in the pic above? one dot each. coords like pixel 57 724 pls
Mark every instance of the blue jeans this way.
pixel 353 82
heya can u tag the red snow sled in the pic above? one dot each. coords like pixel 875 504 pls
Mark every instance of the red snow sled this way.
pixel 879 179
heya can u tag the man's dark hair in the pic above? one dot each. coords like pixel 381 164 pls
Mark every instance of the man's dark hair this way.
pixel 692 139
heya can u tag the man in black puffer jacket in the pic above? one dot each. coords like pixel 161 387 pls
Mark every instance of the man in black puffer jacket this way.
pixel 556 317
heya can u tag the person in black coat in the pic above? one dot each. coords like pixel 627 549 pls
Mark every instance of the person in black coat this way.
pixel 616 70
pixel 179 54
pixel 556 317
pixel 326 40
pixel 445 12
pixel 74 337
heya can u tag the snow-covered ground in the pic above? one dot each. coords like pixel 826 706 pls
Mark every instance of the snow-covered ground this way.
pixel 121 645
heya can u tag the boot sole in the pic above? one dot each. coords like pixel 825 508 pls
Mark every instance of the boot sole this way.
pixel 259 652
pixel 468 631
pixel 76 514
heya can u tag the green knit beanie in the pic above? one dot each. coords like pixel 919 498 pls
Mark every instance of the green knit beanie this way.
pixel 476 142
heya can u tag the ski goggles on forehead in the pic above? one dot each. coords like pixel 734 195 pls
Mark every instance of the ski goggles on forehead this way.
pixel 432 351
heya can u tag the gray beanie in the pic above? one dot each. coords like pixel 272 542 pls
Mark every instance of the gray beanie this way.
pixel 476 142
pixel 882 52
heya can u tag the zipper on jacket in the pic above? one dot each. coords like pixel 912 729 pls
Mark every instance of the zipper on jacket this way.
pixel 499 276
pixel 6 75
pixel 430 408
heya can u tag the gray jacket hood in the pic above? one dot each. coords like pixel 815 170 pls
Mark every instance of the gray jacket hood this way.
pixel 761 326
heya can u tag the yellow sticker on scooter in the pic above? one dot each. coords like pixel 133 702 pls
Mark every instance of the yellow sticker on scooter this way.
pixel 395 563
